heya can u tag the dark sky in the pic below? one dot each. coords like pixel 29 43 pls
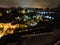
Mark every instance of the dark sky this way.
pixel 29 3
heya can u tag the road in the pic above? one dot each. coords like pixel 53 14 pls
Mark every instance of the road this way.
pixel 43 39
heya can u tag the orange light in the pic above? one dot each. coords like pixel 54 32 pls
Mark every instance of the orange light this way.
pixel 0 14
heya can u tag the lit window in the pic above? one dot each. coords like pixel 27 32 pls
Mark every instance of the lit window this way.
pixel 23 11
pixel 0 14
pixel 49 17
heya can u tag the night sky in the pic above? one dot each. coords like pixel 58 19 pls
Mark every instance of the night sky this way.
pixel 29 3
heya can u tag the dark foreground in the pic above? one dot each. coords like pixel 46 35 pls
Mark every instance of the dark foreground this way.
pixel 49 39
pixel 46 39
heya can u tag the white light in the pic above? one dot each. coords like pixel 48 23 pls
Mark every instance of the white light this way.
pixel 42 12
pixel 23 11
pixel 33 24
pixel 50 17
pixel 46 16
pixel 29 11
pixel 7 11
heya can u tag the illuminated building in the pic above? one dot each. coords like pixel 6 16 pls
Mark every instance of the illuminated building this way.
pixel 25 20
